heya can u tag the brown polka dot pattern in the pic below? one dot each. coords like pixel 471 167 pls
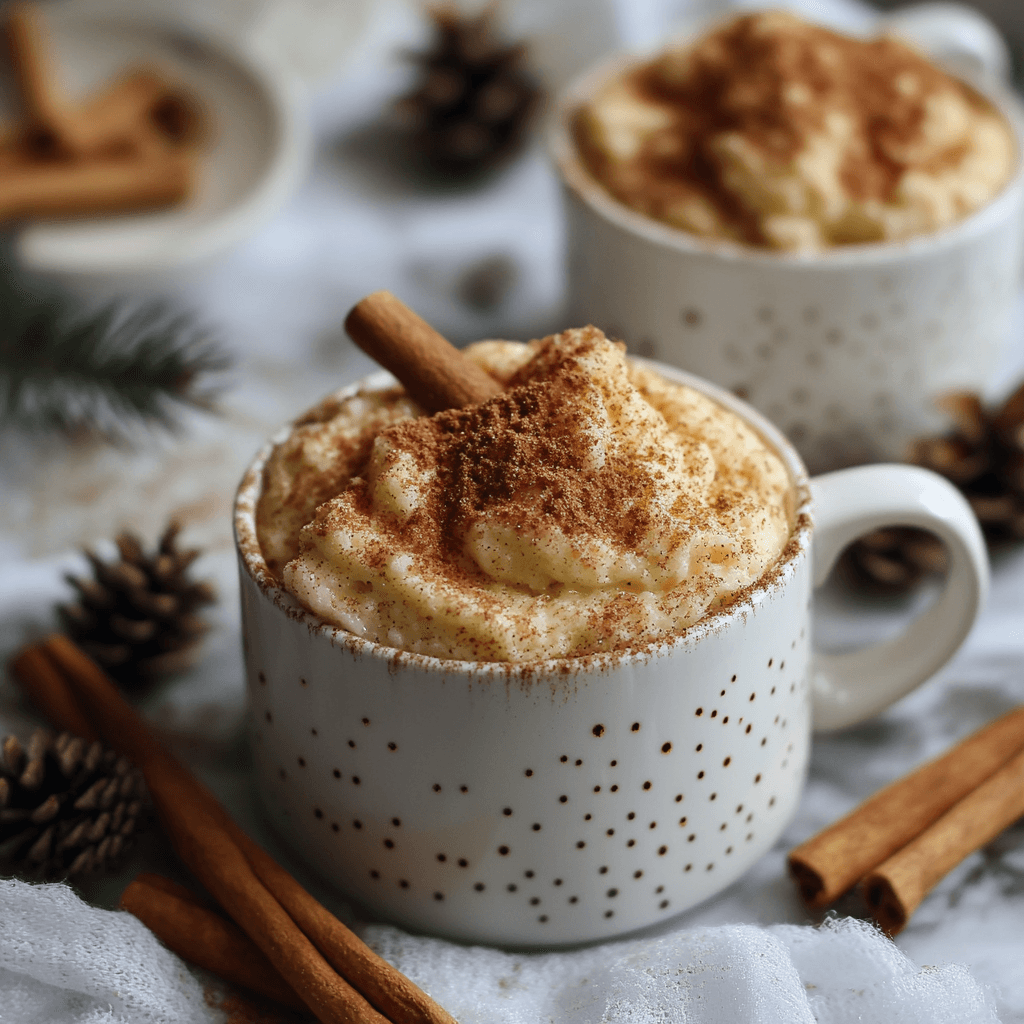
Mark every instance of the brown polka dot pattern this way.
pixel 408 876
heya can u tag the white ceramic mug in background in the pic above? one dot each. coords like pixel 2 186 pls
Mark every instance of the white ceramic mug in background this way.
pixel 847 349
pixel 576 799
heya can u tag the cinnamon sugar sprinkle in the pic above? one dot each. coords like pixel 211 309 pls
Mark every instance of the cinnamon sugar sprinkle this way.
pixel 590 507
pixel 780 133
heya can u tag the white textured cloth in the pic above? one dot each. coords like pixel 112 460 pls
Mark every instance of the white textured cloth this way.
pixel 62 960
pixel 65 961
pixel 843 971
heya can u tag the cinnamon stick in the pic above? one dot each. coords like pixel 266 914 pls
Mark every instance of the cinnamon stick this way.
pixel 35 72
pixel 204 833
pixel 123 116
pixel 87 188
pixel 203 937
pixel 47 689
pixel 205 847
pixel 435 373
pixel 895 889
pixel 833 861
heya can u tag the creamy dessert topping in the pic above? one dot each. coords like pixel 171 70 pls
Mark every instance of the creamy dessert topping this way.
pixel 778 133
pixel 592 506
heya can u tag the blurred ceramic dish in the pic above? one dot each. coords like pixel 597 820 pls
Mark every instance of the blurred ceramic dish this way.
pixel 256 155
pixel 844 349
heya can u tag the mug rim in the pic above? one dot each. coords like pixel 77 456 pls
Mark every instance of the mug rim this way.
pixel 575 177
pixel 772 581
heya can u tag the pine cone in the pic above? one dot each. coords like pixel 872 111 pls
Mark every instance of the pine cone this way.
pixel 475 100
pixel 984 456
pixel 893 560
pixel 137 616
pixel 67 807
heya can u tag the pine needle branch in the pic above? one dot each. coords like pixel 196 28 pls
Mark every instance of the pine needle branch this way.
pixel 106 372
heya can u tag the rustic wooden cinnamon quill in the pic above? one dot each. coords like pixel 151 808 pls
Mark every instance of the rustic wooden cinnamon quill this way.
pixel 129 147
pixel 895 889
pixel 59 190
pixel 35 74
pixel 205 938
pixel 435 373
pixel 834 861
pixel 45 686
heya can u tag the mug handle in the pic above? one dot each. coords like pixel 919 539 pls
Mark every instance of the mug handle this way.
pixel 955 34
pixel 850 687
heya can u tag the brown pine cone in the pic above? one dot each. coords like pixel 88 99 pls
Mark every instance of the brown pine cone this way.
pixel 984 456
pixel 67 807
pixel 475 100
pixel 893 560
pixel 137 615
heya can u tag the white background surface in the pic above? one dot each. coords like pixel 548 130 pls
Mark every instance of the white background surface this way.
pixel 360 223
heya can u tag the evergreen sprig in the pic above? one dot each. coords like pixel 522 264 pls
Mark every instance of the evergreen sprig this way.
pixel 108 371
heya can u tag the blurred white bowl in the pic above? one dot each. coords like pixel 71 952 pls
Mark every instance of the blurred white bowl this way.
pixel 257 153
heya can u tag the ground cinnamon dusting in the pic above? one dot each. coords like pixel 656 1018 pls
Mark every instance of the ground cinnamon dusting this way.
pixel 524 459
pixel 327 446
pixel 591 507
pixel 843 119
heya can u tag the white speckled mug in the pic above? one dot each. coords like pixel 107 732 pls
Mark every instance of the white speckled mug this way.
pixel 846 350
pixel 576 799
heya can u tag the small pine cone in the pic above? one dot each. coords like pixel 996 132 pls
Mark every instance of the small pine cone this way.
pixel 137 615
pixel 984 456
pixel 893 560
pixel 67 807
pixel 475 99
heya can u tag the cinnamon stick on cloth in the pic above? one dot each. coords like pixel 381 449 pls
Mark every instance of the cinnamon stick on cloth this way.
pixel 833 861
pixel 435 373
pixel 206 849
pixel 205 938
pixel 895 889
pixel 212 846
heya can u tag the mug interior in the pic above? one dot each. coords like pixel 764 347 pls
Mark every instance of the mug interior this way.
pixel 247 542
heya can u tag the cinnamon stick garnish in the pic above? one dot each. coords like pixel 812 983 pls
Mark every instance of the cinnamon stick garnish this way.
pixel 833 861
pixel 895 889
pixel 47 689
pixel 90 187
pixel 212 846
pixel 205 938
pixel 435 373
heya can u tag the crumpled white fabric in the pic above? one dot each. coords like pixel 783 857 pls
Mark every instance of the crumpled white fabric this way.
pixel 63 961
pixel 838 973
